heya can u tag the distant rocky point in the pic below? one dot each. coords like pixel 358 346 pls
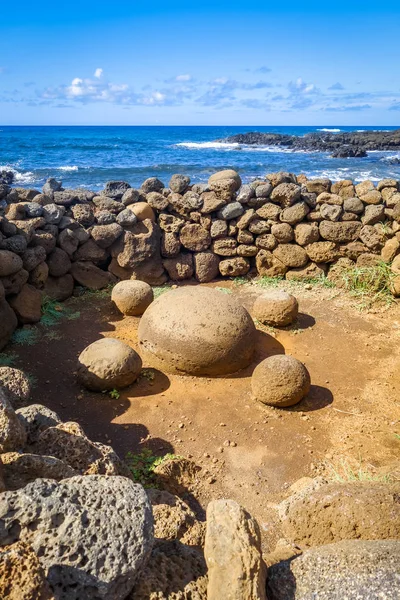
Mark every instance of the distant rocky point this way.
pixel 341 145
pixel 6 176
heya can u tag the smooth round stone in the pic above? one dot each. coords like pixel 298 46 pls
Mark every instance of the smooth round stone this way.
pixel 108 364
pixel 280 381
pixel 142 211
pixel 276 308
pixel 132 297
pixel 197 330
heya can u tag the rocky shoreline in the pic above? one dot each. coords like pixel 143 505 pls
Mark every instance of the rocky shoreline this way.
pixel 281 226
pixel 341 145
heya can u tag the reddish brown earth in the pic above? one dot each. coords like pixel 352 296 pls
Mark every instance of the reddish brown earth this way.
pixel 247 451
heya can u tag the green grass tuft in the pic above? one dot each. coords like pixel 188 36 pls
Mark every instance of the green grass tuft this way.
pixel 224 290
pixel 8 359
pixel 158 290
pixel 343 472
pixel 370 284
pixel 25 337
pixel 142 466
pixel 52 312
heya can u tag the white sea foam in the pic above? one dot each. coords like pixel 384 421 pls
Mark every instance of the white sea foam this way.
pixel 22 178
pixel 344 173
pixel 67 168
pixel 331 130
pixel 216 145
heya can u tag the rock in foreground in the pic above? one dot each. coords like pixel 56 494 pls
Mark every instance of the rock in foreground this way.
pixel 354 570
pixel 92 534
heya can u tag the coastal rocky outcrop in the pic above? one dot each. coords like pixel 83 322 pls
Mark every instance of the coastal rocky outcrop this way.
pixel 280 226
pixel 353 144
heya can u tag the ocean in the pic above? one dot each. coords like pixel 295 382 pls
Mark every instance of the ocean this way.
pixel 90 156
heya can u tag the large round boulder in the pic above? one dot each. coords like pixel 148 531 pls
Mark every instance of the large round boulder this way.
pixel 280 381
pixel 195 330
pixel 132 297
pixel 276 308
pixel 107 364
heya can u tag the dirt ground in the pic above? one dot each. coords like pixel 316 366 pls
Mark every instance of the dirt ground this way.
pixel 247 451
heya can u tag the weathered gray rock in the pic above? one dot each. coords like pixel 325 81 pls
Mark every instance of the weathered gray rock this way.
pixel 53 213
pixel 231 211
pixel 152 184
pixel 21 469
pixel 179 183
pixel 93 534
pixel 174 571
pixel 15 385
pixel 233 553
pixel 286 194
pixel 12 432
pixel 115 189
pixel 35 418
pixel 68 442
pixel 356 569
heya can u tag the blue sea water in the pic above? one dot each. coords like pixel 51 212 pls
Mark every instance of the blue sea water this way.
pixel 90 156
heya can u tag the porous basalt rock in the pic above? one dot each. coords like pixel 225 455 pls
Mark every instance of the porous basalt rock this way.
pixel 35 418
pixel 21 469
pixel 15 385
pixel 12 432
pixel 92 535
pixel 359 569
pixel 68 442
pixel 223 330
pixel 21 575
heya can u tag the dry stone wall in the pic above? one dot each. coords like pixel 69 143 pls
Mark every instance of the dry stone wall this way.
pixel 281 226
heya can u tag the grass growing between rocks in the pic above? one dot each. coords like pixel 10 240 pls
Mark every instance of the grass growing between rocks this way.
pixel 370 284
pixel 344 472
pixel 142 466
pixel 158 290
pixel 25 336
pixel 53 312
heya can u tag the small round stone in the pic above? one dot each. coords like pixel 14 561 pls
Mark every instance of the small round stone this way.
pixel 108 364
pixel 280 381
pixel 276 308
pixel 132 297
pixel 197 330
pixel 16 386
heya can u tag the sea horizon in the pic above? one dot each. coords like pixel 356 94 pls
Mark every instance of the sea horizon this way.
pixel 90 155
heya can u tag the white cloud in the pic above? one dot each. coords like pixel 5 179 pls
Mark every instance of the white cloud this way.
pixel 301 87
pixel 98 73
pixel 186 77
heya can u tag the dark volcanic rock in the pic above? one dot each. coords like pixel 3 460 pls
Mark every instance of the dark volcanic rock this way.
pixel 342 145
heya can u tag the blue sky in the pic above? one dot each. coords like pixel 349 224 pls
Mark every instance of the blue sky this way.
pixel 200 63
